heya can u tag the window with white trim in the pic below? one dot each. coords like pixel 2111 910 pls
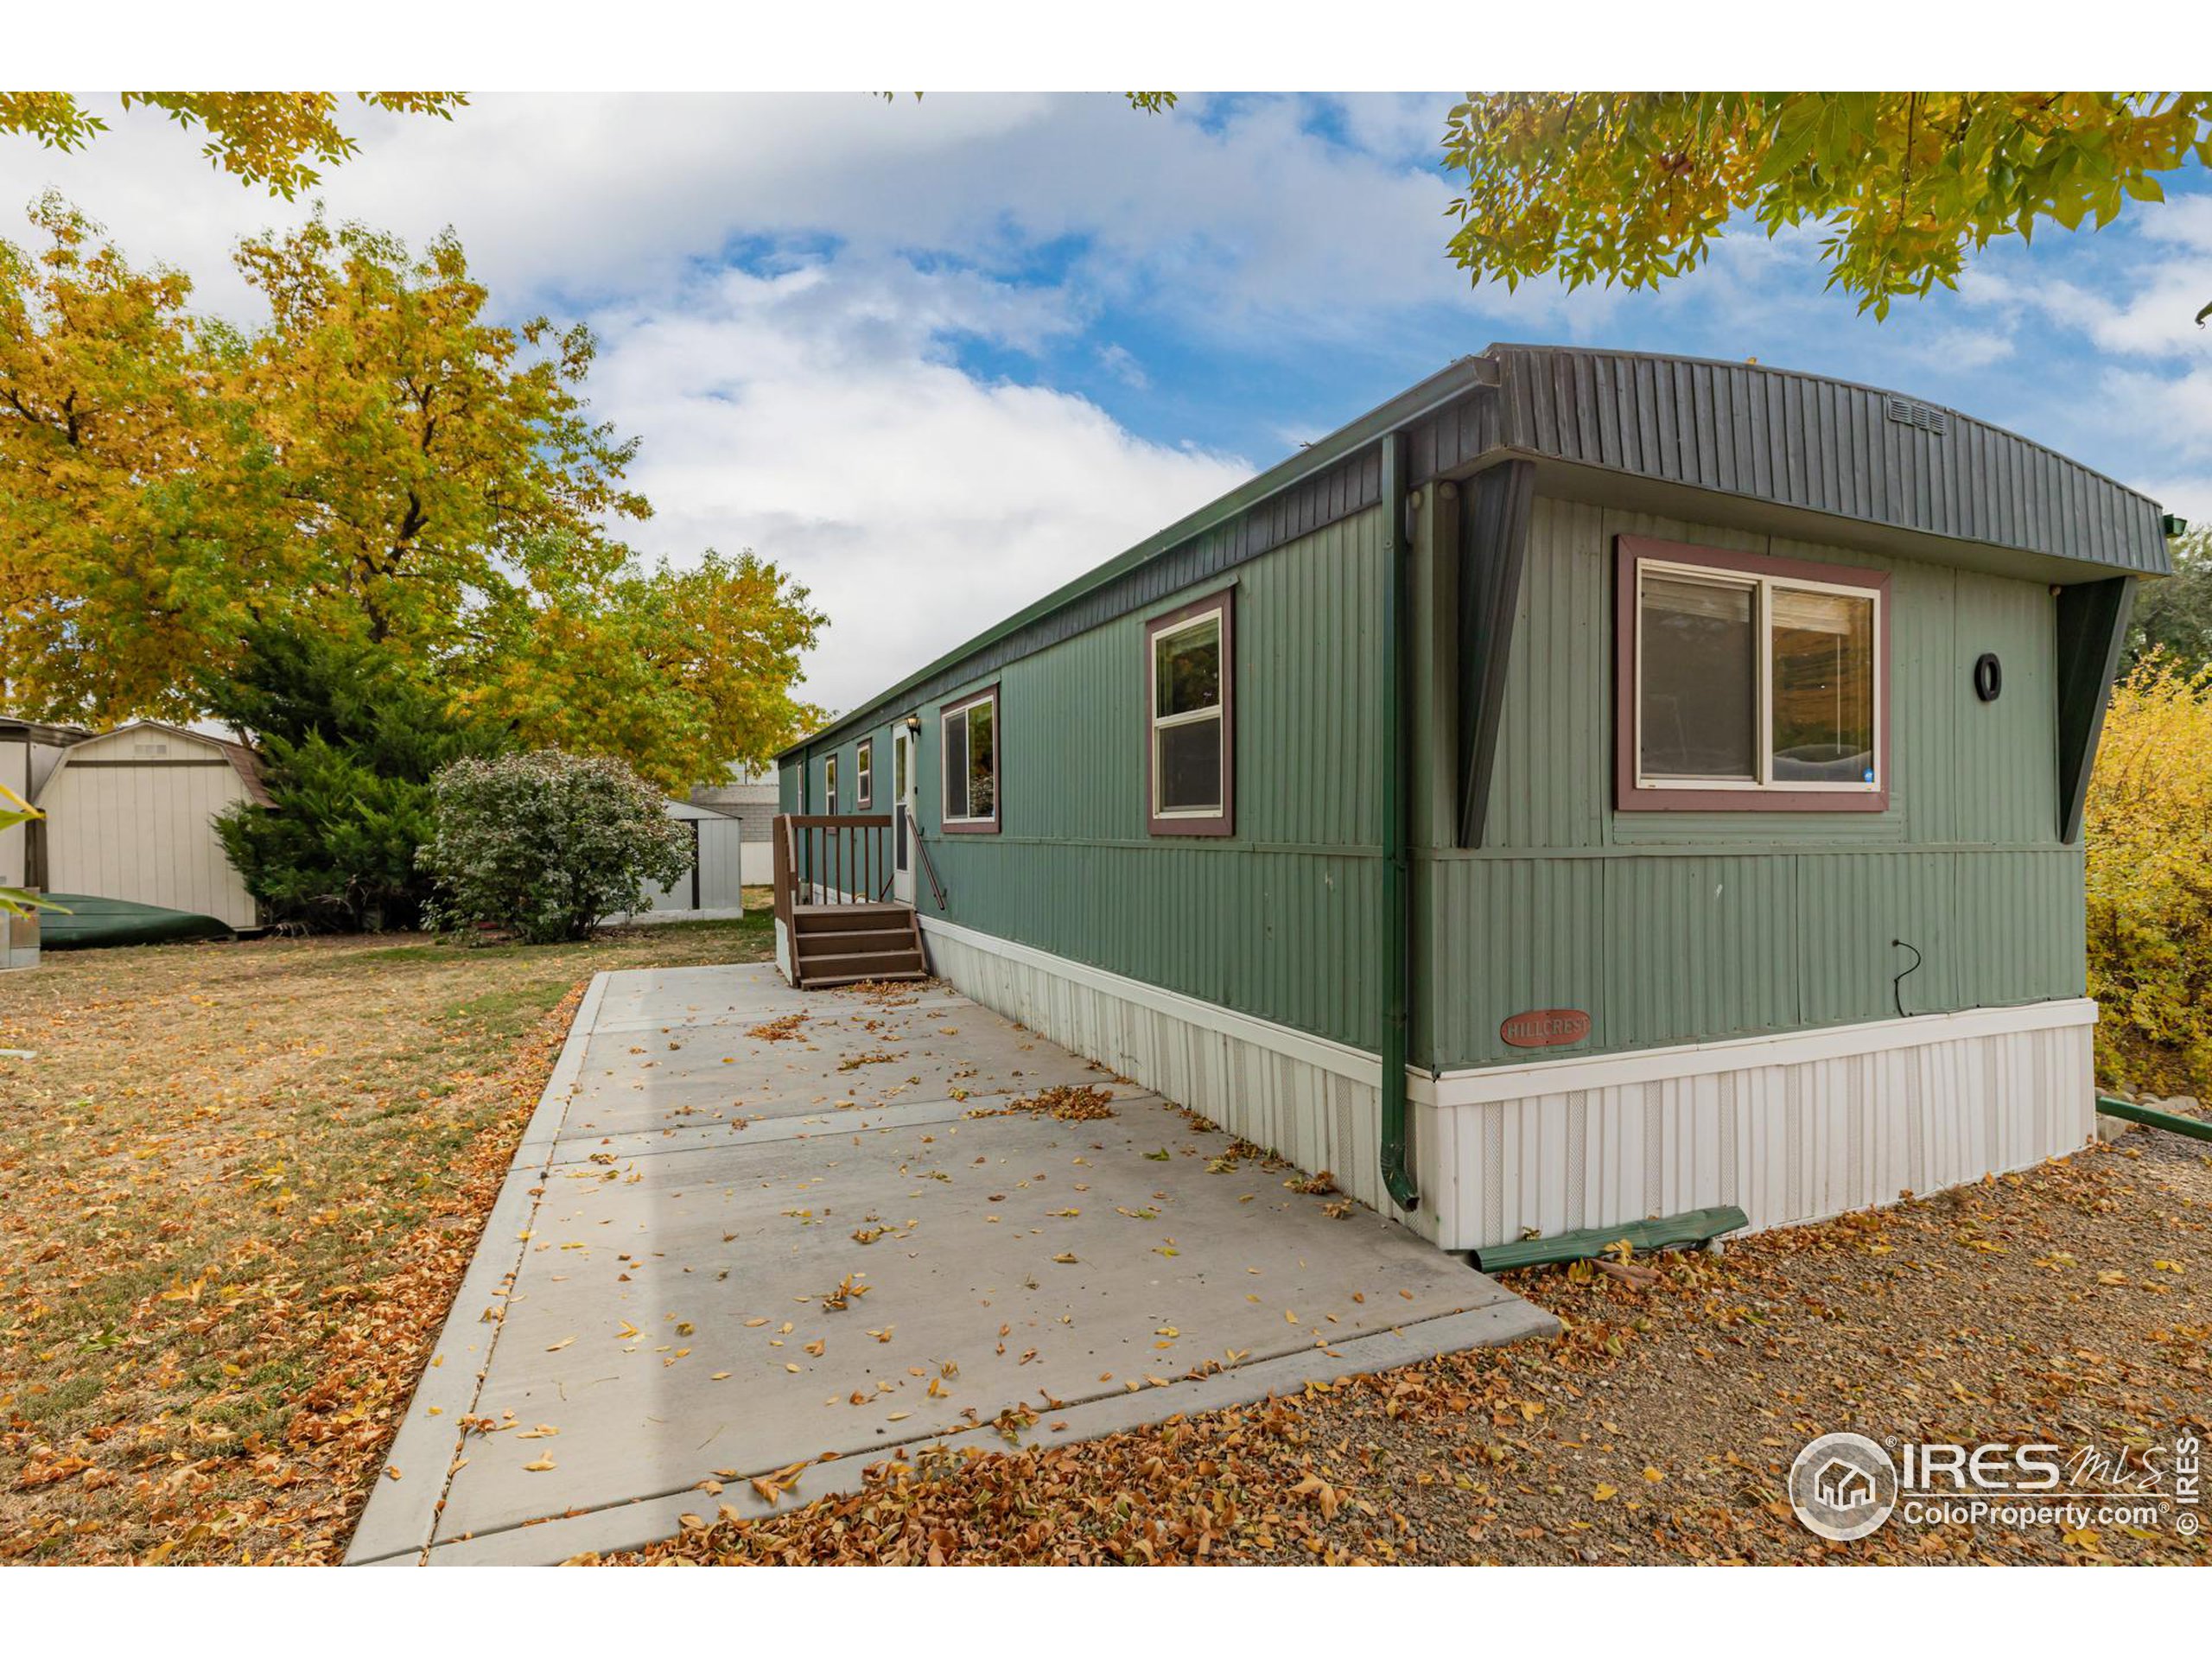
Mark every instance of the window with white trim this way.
pixel 1750 680
pixel 968 749
pixel 829 785
pixel 1189 712
pixel 864 774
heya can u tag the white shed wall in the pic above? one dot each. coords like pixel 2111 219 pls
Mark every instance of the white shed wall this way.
pixel 143 831
pixel 721 873
pixel 15 772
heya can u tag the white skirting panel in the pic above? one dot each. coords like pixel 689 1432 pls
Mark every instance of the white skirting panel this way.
pixel 1793 1127
pixel 1789 1128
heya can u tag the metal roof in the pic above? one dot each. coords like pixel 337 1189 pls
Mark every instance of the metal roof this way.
pixel 1828 446
pixel 39 731
pixel 1745 429
pixel 244 761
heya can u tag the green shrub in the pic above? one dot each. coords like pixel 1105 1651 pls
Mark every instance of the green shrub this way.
pixel 348 744
pixel 2147 824
pixel 547 844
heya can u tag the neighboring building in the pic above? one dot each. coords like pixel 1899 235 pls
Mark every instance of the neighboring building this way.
pixel 1654 784
pixel 129 815
pixel 749 798
pixel 29 754
pixel 713 885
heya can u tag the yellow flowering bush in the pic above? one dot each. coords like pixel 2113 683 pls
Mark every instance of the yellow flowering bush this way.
pixel 2148 830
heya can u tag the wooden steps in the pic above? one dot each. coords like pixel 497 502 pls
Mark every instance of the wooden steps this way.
pixel 844 944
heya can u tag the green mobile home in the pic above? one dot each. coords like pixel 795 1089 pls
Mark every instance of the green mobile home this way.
pixel 1590 785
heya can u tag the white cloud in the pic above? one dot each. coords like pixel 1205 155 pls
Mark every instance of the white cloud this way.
pixel 809 416
pixel 1230 212
pixel 818 415
pixel 1120 362
pixel 807 400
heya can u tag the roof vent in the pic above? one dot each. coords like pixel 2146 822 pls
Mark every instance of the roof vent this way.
pixel 1926 416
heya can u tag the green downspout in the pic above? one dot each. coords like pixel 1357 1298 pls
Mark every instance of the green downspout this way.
pixel 2196 1128
pixel 1397 885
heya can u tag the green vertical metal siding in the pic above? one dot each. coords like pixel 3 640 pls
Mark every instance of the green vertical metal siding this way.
pixel 1994 796
pixel 1679 927
pixel 1846 965
pixel 1278 921
pixel 1697 948
pixel 1553 782
pixel 1668 927
pixel 1504 934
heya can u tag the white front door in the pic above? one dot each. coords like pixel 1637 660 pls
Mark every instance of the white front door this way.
pixel 905 793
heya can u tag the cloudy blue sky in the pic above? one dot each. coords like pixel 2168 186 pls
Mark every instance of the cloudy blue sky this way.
pixel 936 357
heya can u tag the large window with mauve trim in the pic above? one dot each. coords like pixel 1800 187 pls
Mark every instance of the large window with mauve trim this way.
pixel 1748 683
pixel 1189 719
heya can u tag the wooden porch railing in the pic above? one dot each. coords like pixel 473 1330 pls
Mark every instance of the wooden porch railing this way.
pixel 824 860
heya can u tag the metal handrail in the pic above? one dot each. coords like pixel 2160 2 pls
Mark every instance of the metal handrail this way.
pixel 928 864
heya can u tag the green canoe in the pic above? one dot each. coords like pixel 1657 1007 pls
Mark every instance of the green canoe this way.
pixel 93 920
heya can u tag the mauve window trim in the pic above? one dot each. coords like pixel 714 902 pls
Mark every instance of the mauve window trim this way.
pixel 1630 793
pixel 951 825
pixel 1223 822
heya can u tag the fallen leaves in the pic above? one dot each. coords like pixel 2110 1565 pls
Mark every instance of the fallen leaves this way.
pixel 248 1421
pixel 1069 1103
pixel 1656 1428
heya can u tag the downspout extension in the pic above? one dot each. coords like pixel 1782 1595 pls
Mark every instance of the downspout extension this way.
pixel 2196 1128
pixel 1397 885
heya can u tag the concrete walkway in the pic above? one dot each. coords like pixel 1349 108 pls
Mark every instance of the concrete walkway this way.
pixel 752 1229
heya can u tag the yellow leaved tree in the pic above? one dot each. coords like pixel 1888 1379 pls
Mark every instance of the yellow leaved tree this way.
pixel 2147 825
pixel 270 138
pixel 1634 187
pixel 381 464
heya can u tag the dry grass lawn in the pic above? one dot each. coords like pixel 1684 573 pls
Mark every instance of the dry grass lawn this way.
pixel 242 1182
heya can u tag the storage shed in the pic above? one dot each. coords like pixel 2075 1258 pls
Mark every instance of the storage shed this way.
pixel 30 750
pixel 750 798
pixel 1592 785
pixel 713 886
pixel 129 815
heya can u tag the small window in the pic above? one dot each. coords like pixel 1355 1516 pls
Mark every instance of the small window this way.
pixel 1189 771
pixel 829 785
pixel 864 774
pixel 970 754
pixel 1750 684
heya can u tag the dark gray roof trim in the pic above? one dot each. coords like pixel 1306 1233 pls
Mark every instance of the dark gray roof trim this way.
pixel 1827 445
